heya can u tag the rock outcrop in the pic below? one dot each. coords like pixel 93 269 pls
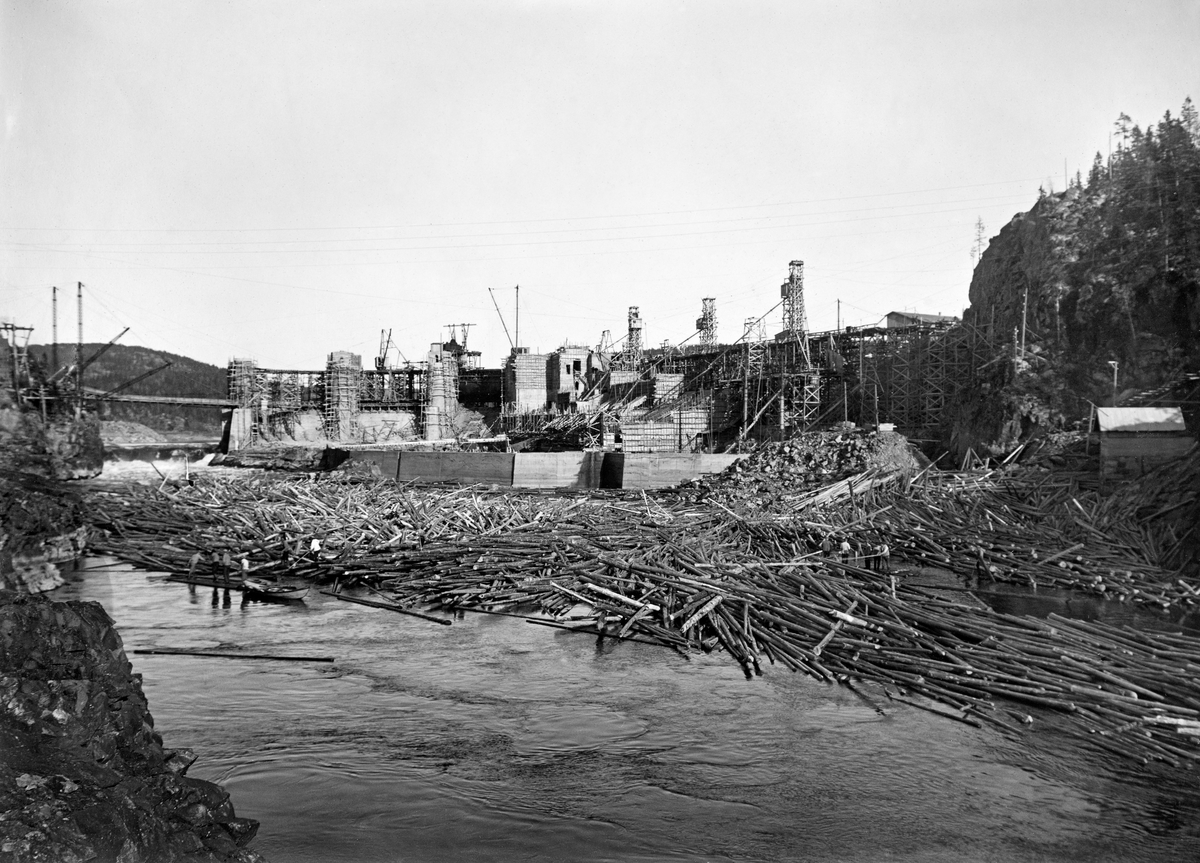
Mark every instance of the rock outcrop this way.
pixel 83 774
pixel 1105 272
pixel 42 523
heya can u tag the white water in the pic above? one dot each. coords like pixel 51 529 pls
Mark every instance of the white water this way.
pixel 493 739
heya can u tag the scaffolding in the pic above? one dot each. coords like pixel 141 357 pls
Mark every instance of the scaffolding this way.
pixel 756 390
pixel 706 324
pixel 244 383
pixel 343 372
pixel 907 376
pixel 795 319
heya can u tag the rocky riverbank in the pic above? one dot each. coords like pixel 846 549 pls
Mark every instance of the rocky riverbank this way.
pixel 84 776
pixel 42 523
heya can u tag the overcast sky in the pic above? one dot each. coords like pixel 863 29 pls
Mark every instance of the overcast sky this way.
pixel 279 180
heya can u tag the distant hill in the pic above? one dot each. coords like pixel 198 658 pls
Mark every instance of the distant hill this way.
pixel 121 363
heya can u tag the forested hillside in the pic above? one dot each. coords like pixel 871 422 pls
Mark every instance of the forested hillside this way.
pixel 1106 271
pixel 122 363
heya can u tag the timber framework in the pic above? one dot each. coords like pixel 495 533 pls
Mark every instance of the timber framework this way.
pixel 701 397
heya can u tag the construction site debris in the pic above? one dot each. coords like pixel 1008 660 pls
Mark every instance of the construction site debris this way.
pixel 125 431
pixel 772 472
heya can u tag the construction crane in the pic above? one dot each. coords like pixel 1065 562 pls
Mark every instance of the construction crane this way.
pixel 454 330
pixel 385 345
pixel 500 314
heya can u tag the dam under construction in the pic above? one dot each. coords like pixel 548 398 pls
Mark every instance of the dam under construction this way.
pixel 698 396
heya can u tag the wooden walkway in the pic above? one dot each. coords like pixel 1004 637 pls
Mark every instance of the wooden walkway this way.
pixel 162 400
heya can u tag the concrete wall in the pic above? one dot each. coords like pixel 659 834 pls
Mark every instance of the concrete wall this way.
pixel 659 470
pixel 305 425
pixel 683 430
pixel 561 384
pixel 467 468
pixel 546 470
pixel 667 386
pixel 557 469
pixel 241 420
pixel 525 381
pixel 380 426
pixel 388 461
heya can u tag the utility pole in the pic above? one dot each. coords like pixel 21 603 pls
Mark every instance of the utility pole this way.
pixel 862 379
pixel 1024 311
pixel 79 353
pixel 745 386
pixel 517 323
pixel 54 330
pixel 839 315
pixel 1115 365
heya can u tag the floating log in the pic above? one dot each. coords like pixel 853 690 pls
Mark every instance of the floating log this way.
pixel 165 651
pixel 677 571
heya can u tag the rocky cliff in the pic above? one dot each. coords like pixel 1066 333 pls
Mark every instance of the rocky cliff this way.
pixel 66 446
pixel 42 523
pixel 1107 271
pixel 83 774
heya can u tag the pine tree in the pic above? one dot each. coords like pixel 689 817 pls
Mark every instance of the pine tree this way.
pixel 1096 174
pixel 979 245
pixel 1190 120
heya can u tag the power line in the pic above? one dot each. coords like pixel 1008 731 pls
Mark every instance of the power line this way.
pixel 548 219
pixel 116 246
pixel 54 247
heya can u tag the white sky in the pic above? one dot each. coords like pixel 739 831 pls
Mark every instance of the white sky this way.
pixel 279 180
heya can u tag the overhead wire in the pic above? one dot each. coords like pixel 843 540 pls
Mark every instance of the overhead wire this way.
pixel 522 243
pixel 550 219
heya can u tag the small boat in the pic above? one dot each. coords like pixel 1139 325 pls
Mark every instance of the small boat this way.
pixel 264 589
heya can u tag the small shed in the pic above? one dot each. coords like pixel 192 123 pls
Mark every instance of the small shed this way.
pixel 1136 440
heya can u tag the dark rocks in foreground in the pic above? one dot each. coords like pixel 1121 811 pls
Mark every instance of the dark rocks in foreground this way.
pixel 83 774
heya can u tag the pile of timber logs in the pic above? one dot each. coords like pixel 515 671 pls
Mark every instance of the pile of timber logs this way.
pixel 1022 526
pixel 693 575
pixel 806 461
pixel 1166 504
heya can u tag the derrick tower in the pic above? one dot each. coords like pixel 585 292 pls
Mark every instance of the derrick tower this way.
pixel 795 319
pixel 633 341
pixel 707 322
pixel 800 400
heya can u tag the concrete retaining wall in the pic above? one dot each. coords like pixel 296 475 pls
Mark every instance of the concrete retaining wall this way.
pixel 659 470
pixel 557 469
pixel 546 470
pixel 489 468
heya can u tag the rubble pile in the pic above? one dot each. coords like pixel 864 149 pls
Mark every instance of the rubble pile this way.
pixel 126 432
pixel 774 472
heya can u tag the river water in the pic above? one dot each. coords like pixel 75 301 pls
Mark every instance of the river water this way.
pixel 496 740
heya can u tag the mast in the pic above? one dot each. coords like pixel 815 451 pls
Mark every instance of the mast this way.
pixel 54 330
pixel 79 350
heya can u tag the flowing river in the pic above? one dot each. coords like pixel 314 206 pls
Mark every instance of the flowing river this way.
pixel 496 740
